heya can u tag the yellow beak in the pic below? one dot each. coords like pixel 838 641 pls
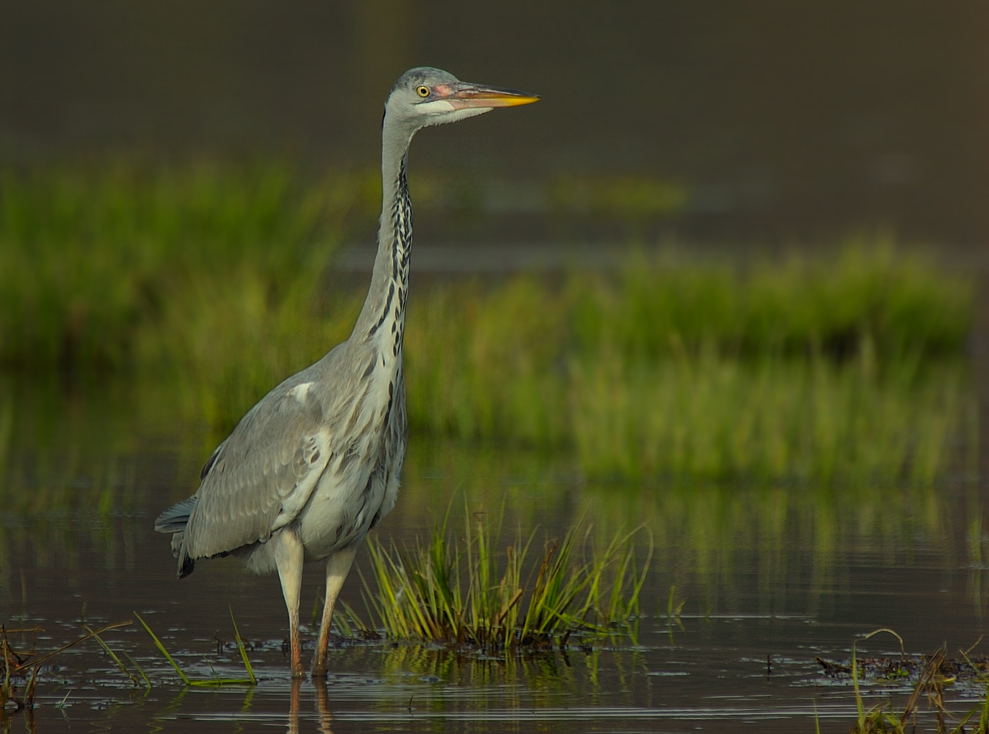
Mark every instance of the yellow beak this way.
pixel 474 95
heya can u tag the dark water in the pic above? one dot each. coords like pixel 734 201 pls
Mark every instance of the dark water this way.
pixel 770 578
pixel 783 120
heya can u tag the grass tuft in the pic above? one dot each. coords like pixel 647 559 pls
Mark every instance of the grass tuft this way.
pixel 455 589
pixel 934 674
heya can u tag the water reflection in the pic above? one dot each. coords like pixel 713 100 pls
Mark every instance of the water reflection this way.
pixel 380 686
pixel 977 554
pixel 82 474
pixel 782 544
pixel 7 720
pixel 323 716
pixel 783 570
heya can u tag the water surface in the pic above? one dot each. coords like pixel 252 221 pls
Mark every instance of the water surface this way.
pixel 770 577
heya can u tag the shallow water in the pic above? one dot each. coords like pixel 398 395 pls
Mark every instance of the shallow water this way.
pixel 770 578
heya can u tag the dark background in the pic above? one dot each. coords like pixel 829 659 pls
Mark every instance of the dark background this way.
pixel 785 120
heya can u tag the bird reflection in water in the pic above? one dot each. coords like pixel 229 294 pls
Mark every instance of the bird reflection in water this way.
pixel 324 717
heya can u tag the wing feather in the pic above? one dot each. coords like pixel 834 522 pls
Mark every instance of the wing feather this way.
pixel 261 477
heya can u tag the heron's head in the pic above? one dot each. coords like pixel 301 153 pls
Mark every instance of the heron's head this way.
pixel 426 96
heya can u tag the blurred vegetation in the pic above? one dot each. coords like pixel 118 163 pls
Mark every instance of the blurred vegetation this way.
pixel 797 369
pixel 825 368
pixel 92 257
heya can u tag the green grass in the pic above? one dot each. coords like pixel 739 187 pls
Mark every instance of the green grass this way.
pixel 91 257
pixel 842 365
pixel 462 592
pixel 934 675
pixel 712 416
pixel 216 681
pixel 784 371
pixel 795 305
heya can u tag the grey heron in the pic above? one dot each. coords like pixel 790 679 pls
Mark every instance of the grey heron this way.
pixel 315 464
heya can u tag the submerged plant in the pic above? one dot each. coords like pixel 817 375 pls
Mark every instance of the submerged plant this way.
pixel 462 592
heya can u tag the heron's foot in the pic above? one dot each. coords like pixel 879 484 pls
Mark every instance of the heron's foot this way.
pixel 318 669
pixel 298 672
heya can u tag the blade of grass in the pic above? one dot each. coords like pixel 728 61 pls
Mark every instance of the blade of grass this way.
pixel 113 656
pixel 243 651
pixel 859 705
pixel 29 688
pixel 140 670
pixel 163 651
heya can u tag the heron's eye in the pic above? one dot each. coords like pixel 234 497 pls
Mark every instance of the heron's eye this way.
pixel 422 91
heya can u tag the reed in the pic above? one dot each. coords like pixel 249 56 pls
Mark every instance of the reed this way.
pixel 137 676
pixel 932 677
pixel 936 674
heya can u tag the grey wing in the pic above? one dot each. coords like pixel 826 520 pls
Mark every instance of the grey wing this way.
pixel 260 478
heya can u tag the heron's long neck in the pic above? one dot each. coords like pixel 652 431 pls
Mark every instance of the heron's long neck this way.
pixel 383 317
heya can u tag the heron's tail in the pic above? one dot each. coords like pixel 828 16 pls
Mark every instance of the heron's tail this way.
pixel 173 520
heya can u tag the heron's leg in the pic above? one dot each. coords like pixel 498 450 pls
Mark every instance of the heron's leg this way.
pixel 289 559
pixel 337 567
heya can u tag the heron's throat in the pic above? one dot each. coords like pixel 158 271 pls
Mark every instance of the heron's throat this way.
pixel 383 316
